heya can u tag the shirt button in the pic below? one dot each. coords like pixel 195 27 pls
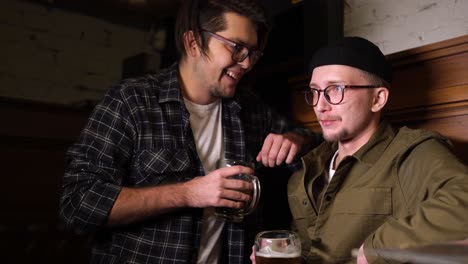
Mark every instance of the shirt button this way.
pixel 305 202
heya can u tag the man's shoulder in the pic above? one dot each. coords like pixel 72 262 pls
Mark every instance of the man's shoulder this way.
pixel 416 139
pixel 416 135
pixel 146 85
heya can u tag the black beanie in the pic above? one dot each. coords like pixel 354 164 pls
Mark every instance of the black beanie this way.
pixel 355 52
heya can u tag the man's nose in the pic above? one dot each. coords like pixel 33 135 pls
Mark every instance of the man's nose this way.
pixel 322 103
pixel 246 63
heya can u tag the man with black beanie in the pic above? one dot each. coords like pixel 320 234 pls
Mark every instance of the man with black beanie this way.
pixel 371 186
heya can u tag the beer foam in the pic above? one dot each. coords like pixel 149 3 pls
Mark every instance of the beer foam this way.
pixel 278 254
pixel 279 247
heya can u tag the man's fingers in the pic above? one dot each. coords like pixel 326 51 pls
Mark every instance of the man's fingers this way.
pixel 277 149
pixel 267 144
pixel 252 256
pixel 236 196
pixel 283 152
pixel 226 172
pixel 292 153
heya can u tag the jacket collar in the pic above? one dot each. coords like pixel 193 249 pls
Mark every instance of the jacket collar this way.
pixel 377 144
pixel 170 88
pixel 369 153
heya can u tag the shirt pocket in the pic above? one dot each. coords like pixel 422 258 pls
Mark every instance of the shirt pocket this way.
pixel 356 214
pixel 364 201
pixel 304 219
pixel 165 165
pixel 296 207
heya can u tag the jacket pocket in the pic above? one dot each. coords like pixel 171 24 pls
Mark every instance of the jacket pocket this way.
pixel 162 166
pixel 295 206
pixel 364 201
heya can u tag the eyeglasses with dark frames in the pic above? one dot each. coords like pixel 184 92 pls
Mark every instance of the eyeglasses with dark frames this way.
pixel 334 93
pixel 239 51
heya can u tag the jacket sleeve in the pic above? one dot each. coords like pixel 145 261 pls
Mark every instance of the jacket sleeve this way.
pixel 95 166
pixel 434 184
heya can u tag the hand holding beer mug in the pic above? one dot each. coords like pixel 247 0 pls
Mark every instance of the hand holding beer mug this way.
pixel 277 247
pixel 234 214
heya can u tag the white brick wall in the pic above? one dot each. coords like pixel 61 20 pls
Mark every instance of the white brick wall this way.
pixel 396 25
pixel 47 54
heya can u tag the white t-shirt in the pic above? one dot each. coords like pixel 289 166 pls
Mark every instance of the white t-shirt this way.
pixel 207 129
pixel 331 171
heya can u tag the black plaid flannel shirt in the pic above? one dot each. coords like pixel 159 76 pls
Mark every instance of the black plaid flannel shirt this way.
pixel 140 135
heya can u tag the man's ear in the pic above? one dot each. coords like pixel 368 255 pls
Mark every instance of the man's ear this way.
pixel 190 45
pixel 380 99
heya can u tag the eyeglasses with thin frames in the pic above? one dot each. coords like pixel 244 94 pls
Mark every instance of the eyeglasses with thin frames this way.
pixel 334 94
pixel 239 52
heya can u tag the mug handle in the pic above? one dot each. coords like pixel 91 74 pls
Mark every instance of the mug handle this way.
pixel 256 183
pixel 255 197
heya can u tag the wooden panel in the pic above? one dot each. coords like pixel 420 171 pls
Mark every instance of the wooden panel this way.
pixel 33 141
pixel 35 120
pixel 430 82
pixel 430 90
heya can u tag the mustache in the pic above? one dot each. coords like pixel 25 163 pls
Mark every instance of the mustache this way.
pixel 328 117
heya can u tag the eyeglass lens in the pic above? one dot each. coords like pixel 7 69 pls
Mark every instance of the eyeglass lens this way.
pixel 333 94
pixel 240 53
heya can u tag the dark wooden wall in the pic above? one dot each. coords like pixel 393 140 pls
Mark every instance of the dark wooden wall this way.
pixel 33 140
pixel 430 90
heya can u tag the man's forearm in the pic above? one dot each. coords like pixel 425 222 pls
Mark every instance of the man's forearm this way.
pixel 136 204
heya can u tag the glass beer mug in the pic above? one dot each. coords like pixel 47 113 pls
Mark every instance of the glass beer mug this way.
pixel 235 214
pixel 277 247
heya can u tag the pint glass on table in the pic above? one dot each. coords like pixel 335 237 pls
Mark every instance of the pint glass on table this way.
pixel 277 247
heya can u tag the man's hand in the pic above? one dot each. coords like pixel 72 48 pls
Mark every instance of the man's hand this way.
pixel 361 258
pixel 252 256
pixel 279 148
pixel 217 190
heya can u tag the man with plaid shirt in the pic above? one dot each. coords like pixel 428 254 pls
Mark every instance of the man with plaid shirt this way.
pixel 143 178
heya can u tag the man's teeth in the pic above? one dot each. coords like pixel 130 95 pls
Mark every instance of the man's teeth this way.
pixel 231 74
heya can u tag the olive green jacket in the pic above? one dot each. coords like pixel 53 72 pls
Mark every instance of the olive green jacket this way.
pixel 402 188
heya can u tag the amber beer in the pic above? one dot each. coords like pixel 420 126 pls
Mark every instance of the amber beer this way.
pixel 261 258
